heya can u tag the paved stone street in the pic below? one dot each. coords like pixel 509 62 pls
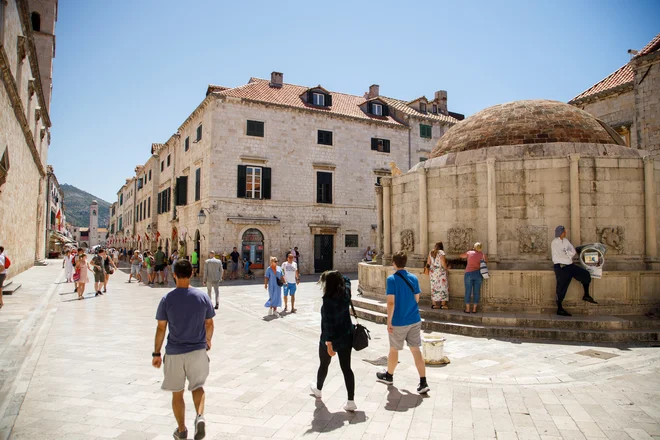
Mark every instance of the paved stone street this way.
pixel 82 370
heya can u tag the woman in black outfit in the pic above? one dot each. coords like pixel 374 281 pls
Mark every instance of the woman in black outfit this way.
pixel 336 333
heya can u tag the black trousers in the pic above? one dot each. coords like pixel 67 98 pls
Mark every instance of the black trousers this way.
pixel 564 276
pixel 344 355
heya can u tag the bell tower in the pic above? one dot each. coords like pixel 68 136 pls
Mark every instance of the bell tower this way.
pixel 94 223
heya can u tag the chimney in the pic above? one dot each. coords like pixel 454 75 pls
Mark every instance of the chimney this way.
pixel 374 90
pixel 441 100
pixel 276 79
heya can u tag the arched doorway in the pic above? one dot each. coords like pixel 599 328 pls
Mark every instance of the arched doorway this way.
pixel 252 247
pixel 196 244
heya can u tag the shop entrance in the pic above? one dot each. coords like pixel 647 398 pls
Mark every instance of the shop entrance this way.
pixel 252 248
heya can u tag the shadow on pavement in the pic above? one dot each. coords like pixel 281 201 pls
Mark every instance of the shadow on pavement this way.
pixel 396 401
pixel 326 421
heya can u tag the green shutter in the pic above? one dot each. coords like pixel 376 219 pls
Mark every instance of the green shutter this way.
pixel 242 175
pixel 265 182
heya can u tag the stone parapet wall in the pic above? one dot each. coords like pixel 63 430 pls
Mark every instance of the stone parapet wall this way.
pixel 533 291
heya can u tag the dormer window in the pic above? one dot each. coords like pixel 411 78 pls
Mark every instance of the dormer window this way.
pixel 318 99
pixel 422 107
pixel 377 109
pixel 435 108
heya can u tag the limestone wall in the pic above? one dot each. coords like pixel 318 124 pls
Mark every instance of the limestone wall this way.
pixel 618 293
pixel 616 111
pixel 647 102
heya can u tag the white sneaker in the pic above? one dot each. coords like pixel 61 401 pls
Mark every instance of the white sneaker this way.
pixel 315 390
pixel 350 406
pixel 270 312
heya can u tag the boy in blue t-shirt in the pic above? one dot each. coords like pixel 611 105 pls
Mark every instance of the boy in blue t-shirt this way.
pixel 403 321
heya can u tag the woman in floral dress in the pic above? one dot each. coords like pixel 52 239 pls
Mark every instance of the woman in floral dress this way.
pixel 437 264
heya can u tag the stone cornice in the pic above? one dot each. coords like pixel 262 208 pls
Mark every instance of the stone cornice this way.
pixel 202 105
pixel 623 88
pixel 646 59
pixel 19 111
pixel 24 12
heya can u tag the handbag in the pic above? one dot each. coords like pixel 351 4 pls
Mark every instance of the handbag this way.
pixel 361 335
pixel 484 270
pixel 76 276
pixel 427 269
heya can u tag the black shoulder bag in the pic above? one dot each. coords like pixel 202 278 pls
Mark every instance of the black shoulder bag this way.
pixel 407 282
pixel 361 335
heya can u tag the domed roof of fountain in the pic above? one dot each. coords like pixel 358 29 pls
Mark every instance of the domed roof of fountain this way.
pixel 525 122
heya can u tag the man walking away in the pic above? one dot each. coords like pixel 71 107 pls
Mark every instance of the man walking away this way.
pixel 136 267
pixel 99 271
pixel 404 322
pixel 189 315
pixel 234 264
pixel 3 272
pixel 194 259
pixel 292 278
pixel 212 276
pixel 562 258
pixel 160 264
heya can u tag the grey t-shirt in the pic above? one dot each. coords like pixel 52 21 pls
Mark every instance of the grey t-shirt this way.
pixel 185 311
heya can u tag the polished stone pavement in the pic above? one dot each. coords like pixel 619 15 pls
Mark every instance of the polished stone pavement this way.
pixel 82 370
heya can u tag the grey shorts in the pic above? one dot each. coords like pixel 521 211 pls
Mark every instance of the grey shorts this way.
pixel 99 277
pixel 193 366
pixel 135 269
pixel 412 334
pixel 3 277
pixel 150 270
pixel 234 267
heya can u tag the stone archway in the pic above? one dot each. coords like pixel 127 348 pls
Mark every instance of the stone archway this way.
pixel 252 246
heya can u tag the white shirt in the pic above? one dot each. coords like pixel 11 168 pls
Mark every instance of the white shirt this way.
pixel 562 251
pixel 290 270
pixel 2 262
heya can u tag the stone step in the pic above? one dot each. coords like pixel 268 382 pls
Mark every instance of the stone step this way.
pixel 10 287
pixel 582 330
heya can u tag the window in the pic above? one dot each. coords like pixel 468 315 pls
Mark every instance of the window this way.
pixel 199 133
pixel 149 207
pixel 198 184
pixel 318 99
pixel 149 175
pixel 164 199
pixel 323 187
pixel 422 107
pixel 36 21
pixel 423 159
pixel 325 137
pixel 380 145
pixel 186 144
pixel 121 199
pixel 139 183
pixel 351 240
pixel 169 157
pixel 425 131
pixel 162 166
pixel 255 128
pixel 181 191
pixel 435 108
pixel 253 182
pixel 377 109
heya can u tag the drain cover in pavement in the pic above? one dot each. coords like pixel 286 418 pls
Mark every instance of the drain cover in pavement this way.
pixel 597 354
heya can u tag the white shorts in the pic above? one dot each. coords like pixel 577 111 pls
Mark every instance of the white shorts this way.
pixel 193 366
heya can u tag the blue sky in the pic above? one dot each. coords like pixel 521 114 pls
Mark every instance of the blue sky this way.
pixel 128 73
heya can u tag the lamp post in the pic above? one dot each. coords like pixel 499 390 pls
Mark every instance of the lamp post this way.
pixel 201 217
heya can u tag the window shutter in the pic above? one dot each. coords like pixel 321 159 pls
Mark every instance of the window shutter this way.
pixel 198 184
pixel 242 175
pixel 329 188
pixel 159 202
pixel 310 97
pixel 374 144
pixel 386 145
pixel 329 135
pixel 169 199
pixel 181 192
pixel 328 100
pixel 265 182
pixel 386 110
pixel 319 137
pixel 370 107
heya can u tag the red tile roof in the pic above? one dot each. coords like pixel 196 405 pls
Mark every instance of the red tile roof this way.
pixel 624 76
pixel 291 95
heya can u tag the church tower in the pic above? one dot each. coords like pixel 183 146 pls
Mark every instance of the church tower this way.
pixel 94 223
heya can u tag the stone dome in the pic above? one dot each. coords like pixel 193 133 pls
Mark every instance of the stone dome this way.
pixel 525 122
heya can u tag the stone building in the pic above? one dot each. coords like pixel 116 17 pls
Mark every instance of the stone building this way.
pixel 506 177
pixel 92 235
pixel 629 99
pixel 27 47
pixel 267 166
pixel 57 235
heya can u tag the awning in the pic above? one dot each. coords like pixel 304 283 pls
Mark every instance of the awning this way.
pixel 254 220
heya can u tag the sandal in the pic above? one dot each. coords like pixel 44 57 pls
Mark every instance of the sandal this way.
pixel 433 306
pixel 466 311
pixel 444 307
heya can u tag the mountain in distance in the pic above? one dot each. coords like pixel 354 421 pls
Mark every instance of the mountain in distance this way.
pixel 76 207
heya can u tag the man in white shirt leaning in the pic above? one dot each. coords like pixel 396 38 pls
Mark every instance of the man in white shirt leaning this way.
pixel 562 257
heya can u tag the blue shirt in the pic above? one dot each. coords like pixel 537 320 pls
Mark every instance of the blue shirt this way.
pixel 186 312
pixel 406 309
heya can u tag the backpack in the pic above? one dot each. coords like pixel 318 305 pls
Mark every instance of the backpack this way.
pixel 7 262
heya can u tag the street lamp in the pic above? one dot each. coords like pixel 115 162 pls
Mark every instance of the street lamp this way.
pixel 201 217
pixel 149 229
